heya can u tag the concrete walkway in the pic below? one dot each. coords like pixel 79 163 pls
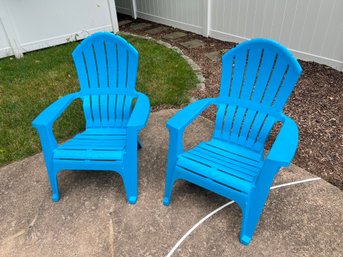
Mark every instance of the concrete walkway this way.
pixel 93 218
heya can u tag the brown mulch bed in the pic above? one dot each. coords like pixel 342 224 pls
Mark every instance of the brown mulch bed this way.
pixel 316 104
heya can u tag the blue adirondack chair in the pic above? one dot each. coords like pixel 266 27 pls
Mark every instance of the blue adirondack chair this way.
pixel 115 112
pixel 257 78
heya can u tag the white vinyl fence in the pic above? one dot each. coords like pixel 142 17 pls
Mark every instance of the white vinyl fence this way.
pixel 311 29
pixel 27 25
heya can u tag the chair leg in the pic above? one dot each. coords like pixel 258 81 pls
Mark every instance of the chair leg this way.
pixel 130 180
pixel 251 216
pixel 54 185
pixel 168 186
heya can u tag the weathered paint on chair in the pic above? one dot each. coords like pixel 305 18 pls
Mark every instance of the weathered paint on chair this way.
pixel 107 67
pixel 257 78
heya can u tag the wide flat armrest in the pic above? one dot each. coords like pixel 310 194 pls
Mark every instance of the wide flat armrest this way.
pixel 140 113
pixel 185 116
pixel 285 145
pixel 53 111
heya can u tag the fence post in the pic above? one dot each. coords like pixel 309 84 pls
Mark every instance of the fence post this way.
pixel 10 31
pixel 206 18
pixel 134 9
pixel 113 15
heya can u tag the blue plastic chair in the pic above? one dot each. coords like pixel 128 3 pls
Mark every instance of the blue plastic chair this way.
pixel 257 78
pixel 115 112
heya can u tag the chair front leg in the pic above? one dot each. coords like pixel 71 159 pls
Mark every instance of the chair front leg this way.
pixel 175 148
pixel 49 143
pixel 256 201
pixel 130 172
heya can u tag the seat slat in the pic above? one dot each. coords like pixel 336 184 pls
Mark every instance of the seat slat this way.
pixel 219 165
pixel 92 144
pixel 235 152
pixel 214 174
pixel 105 132
pixel 87 155
pixel 230 163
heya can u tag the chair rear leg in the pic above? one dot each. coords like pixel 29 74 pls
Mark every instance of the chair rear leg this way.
pixel 54 185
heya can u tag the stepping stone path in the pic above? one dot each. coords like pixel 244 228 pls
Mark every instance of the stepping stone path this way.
pixel 193 44
pixel 124 22
pixel 214 56
pixel 156 30
pixel 174 35
pixel 139 26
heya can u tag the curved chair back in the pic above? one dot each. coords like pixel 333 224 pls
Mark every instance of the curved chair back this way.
pixel 257 78
pixel 107 66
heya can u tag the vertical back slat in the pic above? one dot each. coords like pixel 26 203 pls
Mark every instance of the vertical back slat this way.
pixel 132 70
pixel 88 111
pixel 102 68
pixel 123 57
pixel 231 111
pixel 286 89
pixel 127 109
pixel 239 73
pixel 112 59
pixel 264 75
pixel 251 72
pixel 275 82
pixel 221 113
pixel 238 123
pixel 112 110
pixel 255 128
pixel 262 137
pixel 228 63
pixel 119 110
pixel 94 83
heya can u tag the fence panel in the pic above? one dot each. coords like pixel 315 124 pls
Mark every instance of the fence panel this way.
pixel 35 24
pixel 311 29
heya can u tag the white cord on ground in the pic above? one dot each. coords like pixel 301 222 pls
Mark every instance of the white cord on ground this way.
pixel 225 205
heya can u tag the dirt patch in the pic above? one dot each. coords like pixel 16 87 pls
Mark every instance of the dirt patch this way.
pixel 316 103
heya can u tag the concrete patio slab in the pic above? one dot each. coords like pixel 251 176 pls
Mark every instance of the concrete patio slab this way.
pixel 156 30
pixel 93 218
pixel 140 26
pixel 174 35
pixel 193 44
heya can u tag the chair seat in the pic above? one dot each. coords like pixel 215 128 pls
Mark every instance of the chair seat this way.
pixel 225 163
pixel 94 145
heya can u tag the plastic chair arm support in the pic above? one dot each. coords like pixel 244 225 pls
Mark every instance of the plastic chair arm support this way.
pixel 185 116
pixel 140 113
pixel 180 121
pixel 53 111
pixel 285 145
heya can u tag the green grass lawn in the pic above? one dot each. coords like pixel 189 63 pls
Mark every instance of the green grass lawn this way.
pixel 30 84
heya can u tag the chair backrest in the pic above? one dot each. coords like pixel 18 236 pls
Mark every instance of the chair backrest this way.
pixel 107 66
pixel 258 76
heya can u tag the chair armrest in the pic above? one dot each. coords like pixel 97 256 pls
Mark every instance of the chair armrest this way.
pixel 285 145
pixel 180 121
pixel 186 115
pixel 53 111
pixel 140 113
